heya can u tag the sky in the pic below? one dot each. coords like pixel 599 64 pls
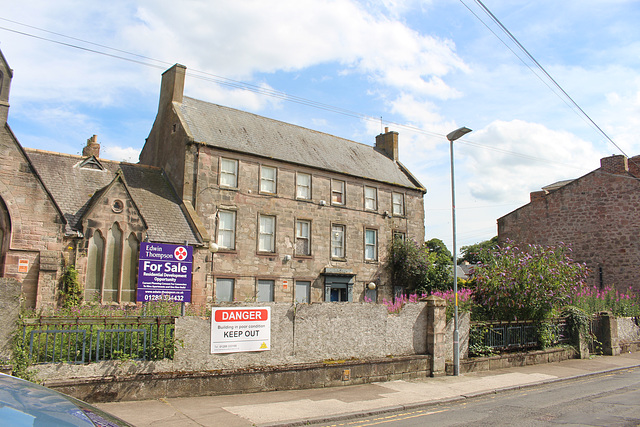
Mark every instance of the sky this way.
pixel 349 68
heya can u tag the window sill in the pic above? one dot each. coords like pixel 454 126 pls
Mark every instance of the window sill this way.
pixel 267 254
pixel 226 251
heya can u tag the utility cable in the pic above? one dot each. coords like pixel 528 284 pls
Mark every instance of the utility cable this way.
pixel 202 75
pixel 541 68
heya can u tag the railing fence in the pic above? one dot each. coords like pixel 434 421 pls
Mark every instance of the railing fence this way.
pixel 517 335
pixel 92 339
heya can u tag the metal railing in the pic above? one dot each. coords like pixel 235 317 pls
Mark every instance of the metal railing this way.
pixel 92 339
pixel 516 335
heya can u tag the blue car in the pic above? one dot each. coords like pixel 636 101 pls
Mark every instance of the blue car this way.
pixel 23 403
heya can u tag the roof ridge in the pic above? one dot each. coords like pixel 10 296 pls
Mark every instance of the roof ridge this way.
pixel 79 157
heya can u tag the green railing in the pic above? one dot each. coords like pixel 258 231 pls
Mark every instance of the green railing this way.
pixel 92 339
pixel 518 335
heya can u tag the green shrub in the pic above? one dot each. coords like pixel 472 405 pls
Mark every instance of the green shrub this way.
pixel 525 283
pixel 71 291
pixel 421 268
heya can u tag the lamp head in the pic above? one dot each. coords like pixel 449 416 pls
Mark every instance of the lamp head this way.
pixel 458 133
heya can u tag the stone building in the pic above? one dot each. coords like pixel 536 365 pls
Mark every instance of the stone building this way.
pixel 597 214
pixel 273 211
pixel 31 224
pixel 58 210
pixel 292 214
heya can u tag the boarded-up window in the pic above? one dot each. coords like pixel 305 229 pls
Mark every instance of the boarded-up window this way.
pixel 129 268
pixel 95 260
pixel 113 265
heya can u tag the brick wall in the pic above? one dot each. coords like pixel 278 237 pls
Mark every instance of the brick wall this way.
pixel 597 214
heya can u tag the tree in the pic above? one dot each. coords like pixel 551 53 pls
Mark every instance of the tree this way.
pixel 472 253
pixel 421 268
pixel 437 246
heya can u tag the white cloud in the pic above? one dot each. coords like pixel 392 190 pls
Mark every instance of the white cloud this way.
pixel 544 156
pixel 114 152
pixel 242 38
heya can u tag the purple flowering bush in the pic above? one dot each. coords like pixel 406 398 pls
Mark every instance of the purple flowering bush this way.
pixel 528 282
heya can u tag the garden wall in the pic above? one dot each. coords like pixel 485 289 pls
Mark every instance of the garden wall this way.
pixel 464 323
pixel 9 313
pixel 311 345
pixel 628 334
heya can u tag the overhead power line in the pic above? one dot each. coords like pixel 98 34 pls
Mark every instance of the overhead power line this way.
pixel 564 95
pixel 262 90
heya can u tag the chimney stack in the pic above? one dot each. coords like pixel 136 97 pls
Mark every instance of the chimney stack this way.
pixel 92 148
pixel 634 166
pixel 618 164
pixel 387 144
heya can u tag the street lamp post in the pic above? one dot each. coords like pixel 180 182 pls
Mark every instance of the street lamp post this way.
pixel 456 134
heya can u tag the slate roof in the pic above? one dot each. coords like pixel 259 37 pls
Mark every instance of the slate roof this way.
pixel 236 130
pixel 73 188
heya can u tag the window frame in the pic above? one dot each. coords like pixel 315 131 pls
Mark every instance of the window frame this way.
pixel 398 234
pixel 343 246
pixel 297 237
pixel 307 187
pixel 271 181
pixel 341 193
pixel 374 198
pixel 222 173
pixel 373 245
pixel 394 204
pixel 233 289
pixel 272 284
pixel 308 291
pixel 260 233
pixel 219 229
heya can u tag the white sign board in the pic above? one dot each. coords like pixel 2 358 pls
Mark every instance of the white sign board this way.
pixel 236 330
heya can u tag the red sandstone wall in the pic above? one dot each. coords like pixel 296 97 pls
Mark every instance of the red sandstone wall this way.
pixel 597 214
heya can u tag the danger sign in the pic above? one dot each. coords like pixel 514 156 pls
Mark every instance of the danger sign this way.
pixel 224 315
pixel 236 330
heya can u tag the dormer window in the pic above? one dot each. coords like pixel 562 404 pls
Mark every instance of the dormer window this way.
pixel 91 163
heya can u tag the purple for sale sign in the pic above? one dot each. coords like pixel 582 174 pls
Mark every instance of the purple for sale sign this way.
pixel 164 272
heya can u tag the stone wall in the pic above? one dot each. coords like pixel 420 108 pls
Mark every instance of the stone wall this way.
pixel 628 329
pixel 245 264
pixel 597 215
pixel 464 323
pixel 311 345
pixel 306 333
pixel 34 225
pixel 10 291
pixel 628 334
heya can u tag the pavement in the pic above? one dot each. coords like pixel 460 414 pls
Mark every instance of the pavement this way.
pixel 329 405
